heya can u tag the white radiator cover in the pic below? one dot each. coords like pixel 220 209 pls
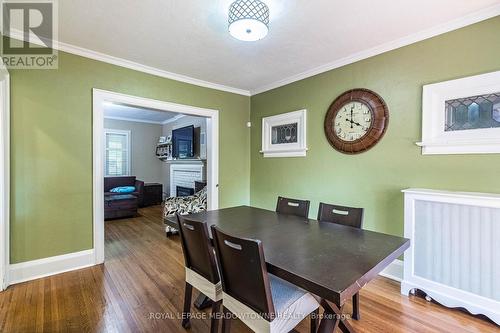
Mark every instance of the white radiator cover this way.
pixel 455 253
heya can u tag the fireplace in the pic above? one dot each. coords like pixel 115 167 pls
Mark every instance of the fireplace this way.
pixel 184 191
pixel 184 175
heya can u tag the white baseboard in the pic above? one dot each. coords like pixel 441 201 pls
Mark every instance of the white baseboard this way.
pixel 35 269
pixel 394 271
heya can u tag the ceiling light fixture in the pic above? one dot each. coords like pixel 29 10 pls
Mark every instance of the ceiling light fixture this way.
pixel 248 20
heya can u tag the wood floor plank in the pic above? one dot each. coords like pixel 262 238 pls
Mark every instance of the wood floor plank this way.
pixel 140 288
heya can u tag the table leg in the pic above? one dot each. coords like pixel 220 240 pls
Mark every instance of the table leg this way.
pixel 328 325
pixel 355 306
pixel 345 328
pixel 202 302
pixel 333 318
pixel 314 321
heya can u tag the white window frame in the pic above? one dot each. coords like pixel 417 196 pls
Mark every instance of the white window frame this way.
pixel 435 140
pixel 129 150
pixel 285 149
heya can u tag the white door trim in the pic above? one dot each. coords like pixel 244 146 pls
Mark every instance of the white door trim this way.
pixel 4 176
pixel 99 97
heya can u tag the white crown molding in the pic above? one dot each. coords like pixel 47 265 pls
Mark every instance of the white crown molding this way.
pixel 455 24
pixel 65 47
pixel 171 120
pixel 135 120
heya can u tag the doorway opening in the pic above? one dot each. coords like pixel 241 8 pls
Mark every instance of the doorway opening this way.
pixel 184 154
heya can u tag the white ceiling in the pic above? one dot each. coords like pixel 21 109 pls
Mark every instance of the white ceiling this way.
pixel 130 113
pixel 190 37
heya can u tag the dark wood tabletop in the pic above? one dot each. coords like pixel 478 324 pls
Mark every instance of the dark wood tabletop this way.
pixel 329 260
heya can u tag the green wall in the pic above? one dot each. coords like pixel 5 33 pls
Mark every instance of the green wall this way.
pixel 51 148
pixel 373 180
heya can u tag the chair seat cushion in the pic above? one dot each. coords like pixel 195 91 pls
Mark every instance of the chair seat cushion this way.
pixel 213 291
pixel 284 293
pixel 291 305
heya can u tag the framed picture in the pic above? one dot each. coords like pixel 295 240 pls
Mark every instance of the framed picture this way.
pixel 462 116
pixel 284 135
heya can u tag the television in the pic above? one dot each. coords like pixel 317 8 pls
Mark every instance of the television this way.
pixel 183 142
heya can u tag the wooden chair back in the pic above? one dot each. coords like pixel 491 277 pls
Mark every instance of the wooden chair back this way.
pixel 349 216
pixel 243 271
pixel 293 207
pixel 198 253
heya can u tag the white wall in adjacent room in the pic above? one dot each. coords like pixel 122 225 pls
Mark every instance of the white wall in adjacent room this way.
pixel 200 122
pixel 188 121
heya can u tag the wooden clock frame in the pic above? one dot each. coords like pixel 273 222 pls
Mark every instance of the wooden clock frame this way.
pixel 380 120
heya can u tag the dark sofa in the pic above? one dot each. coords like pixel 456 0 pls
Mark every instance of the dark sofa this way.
pixel 112 182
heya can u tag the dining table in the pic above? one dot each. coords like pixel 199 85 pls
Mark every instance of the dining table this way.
pixel 329 260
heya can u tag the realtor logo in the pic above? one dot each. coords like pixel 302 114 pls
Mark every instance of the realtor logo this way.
pixel 32 30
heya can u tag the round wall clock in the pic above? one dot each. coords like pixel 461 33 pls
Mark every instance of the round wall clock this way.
pixel 356 121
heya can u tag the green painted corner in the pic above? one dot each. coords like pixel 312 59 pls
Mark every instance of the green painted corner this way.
pixel 374 179
pixel 51 148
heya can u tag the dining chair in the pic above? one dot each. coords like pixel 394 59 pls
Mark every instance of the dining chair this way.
pixel 263 302
pixel 349 216
pixel 293 206
pixel 201 268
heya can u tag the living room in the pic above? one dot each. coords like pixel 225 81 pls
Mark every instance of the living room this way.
pixel 151 156
pixel 350 159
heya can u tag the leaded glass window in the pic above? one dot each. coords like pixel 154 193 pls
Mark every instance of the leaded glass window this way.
pixel 474 112
pixel 286 133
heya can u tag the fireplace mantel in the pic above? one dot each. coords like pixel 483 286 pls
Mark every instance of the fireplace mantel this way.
pixel 185 174
pixel 186 161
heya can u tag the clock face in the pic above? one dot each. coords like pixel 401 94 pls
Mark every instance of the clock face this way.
pixel 356 121
pixel 352 121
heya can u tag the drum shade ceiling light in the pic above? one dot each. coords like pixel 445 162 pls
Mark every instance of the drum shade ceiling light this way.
pixel 248 20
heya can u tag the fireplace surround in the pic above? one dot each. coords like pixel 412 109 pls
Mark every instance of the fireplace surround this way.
pixel 182 191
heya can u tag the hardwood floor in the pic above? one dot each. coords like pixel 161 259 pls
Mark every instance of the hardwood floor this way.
pixel 140 289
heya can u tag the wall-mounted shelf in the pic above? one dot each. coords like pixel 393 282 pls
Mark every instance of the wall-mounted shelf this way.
pixel 164 151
